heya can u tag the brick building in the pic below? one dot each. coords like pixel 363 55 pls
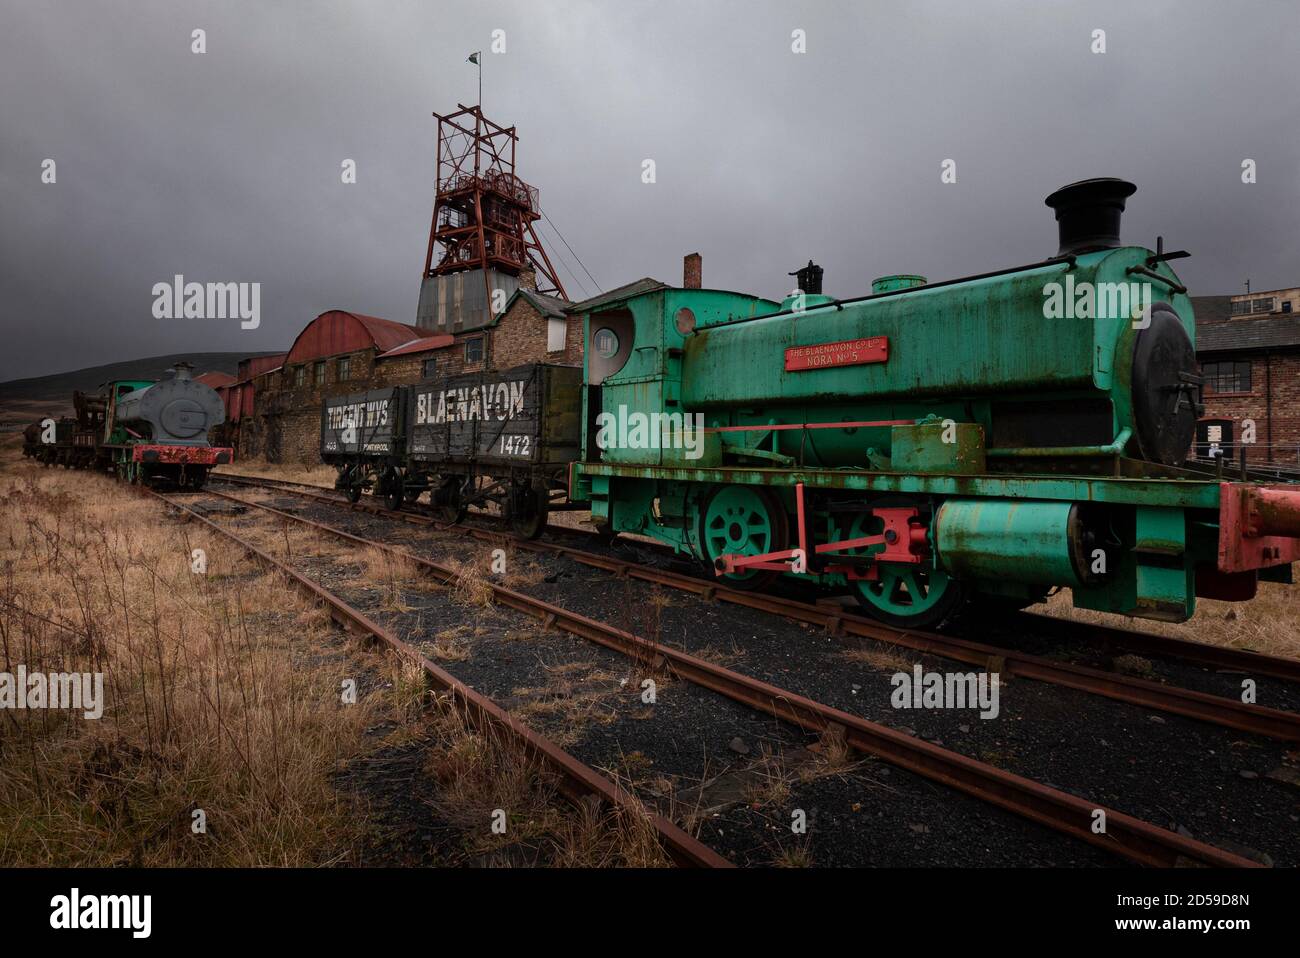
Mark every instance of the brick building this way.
pixel 1248 346
pixel 531 328
pixel 341 352
pixel 334 354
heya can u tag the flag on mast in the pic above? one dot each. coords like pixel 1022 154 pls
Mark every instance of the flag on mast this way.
pixel 473 58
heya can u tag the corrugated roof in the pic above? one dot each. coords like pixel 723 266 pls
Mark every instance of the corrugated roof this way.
pixel 1218 332
pixel 421 345
pixel 256 365
pixel 384 332
pixel 215 379
pixel 638 288
pixel 337 331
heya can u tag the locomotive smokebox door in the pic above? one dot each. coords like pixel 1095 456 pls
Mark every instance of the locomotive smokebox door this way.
pixel 1165 388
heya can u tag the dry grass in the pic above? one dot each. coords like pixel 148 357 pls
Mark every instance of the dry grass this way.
pixel 574 696
pixel 471 586
pixel 500 563
pixel 393 575
pixel 1270 623
pixel 452 645
pixel 482 779
pixel 885 658
pixel 222 691
pixel 795 855
pixel 771 783
pixel 313 474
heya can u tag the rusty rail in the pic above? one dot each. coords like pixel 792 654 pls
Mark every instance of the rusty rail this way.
pixel 1210 656
pixel 1125 835
pixel 1202 706
pixel 578 780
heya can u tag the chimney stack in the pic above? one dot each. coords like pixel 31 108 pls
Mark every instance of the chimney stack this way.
pixel 1088 213
pixel 692 271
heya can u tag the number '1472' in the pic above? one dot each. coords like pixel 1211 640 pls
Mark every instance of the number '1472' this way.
pixel 516 445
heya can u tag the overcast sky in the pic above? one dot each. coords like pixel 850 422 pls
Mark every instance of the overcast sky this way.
pixel 225 166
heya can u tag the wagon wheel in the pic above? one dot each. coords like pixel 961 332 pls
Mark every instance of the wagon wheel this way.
pixel 447 505
pixel 394 489
pixel 528 513
pixel 743 520
pixel 350 482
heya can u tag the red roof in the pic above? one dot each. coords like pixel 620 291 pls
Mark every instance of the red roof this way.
pixel 256 365
pixel 421 345
pixel 337 331
pixel 215 379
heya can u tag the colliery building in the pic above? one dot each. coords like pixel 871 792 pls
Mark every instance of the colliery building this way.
pixel 278 408
pixel 1248 346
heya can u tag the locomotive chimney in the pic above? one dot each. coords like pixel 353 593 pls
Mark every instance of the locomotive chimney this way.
pixel 184 370
pixel 692 271
pixel 809 278
pixel 1088 213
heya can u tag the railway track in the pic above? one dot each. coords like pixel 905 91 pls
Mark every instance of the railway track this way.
pixel 1127 836
pixel 838 621
pixel 578 781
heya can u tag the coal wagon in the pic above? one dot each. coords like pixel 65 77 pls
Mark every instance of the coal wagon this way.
pixel 503 437
pixel 361 435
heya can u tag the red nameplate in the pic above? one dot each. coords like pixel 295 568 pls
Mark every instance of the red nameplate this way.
pixel 851 352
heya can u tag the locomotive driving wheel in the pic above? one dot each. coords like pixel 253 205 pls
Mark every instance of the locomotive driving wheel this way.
pixel 747 521
pixel 905 594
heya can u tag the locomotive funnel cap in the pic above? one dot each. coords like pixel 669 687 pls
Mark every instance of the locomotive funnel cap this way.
pixel 1088 213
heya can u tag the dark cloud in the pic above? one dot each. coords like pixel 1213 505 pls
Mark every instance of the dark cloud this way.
pixel 225 166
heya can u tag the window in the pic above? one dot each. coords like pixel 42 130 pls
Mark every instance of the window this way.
pixel 605 342
pixel 1286 305
pixel 427 368
pixel 1226 377
pixel 556 330
pixel 300 375
pixel 345 368
pixel 320 374
pixel 474 350
pixel 1247 307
